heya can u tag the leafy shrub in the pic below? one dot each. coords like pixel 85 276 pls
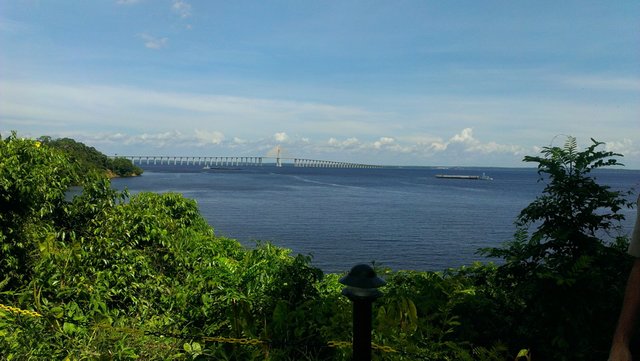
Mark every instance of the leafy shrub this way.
pixel 33 180
pixel 568 282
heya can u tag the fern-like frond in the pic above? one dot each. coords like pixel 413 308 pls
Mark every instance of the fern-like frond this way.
pixel 571 145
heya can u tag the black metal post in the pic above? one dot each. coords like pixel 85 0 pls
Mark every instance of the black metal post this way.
pixel 361 289
pixel 362 330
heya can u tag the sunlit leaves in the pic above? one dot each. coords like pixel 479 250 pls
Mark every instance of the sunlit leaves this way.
pixel 33 180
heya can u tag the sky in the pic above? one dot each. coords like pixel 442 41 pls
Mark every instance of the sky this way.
pixel 425 82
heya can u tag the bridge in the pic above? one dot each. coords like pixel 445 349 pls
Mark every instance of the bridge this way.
pixel 239 161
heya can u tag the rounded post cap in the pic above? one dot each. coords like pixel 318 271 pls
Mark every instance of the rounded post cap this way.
pixel 362 276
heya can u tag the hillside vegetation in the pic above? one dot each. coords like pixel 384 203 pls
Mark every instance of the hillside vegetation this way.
pixel 88 159
pixel 113 276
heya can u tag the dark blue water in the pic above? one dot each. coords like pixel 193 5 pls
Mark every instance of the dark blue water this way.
pixel 403 218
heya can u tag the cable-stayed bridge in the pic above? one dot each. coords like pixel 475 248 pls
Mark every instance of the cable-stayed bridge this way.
pixel 240 161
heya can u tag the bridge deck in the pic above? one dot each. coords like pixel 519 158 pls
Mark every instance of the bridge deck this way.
pixel 239 161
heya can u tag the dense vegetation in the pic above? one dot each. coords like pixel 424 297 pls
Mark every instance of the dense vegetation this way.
pixel 120 277
pixel 88 159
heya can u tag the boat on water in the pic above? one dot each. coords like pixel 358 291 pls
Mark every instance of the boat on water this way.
pixel 212 169
pixel 457 176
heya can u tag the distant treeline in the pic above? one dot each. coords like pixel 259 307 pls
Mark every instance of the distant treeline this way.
pixel 90 159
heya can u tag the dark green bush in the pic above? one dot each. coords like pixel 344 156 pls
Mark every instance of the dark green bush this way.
pixel 566 280
pixel 123 167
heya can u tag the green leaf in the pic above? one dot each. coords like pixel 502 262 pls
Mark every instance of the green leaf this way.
pixel 69 327
pixel 196 347
pixel 57 312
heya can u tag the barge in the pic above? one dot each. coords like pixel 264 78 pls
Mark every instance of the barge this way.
pixel 457 176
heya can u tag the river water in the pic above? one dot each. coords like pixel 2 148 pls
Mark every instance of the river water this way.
pixel 402 218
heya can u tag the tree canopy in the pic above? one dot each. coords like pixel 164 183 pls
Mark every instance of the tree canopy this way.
pixel 88 159
pixel 558 263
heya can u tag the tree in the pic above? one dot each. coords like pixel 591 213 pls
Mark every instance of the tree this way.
pixel 572 209
pixel 88 159
pixel 569 281
pixel 33 180
pixel 124 167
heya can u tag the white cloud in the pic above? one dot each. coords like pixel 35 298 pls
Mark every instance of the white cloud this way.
pixel 182 8
pixel 465 136
pixel 152 42
pixel 471 144
pixel 383 141
pixel 281 137
pixel 117 137
pixel 625 147
pixel 350 143
pixel 493 147
pixel 475 145
pixel 146 119
pixel 157 140
pixel 382 144
pixel 206 137
pixel 121 107
pixel 463 142
pixel 437 146
pixel 466 150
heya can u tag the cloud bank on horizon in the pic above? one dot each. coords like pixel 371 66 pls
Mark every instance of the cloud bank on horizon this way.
pixel 410 83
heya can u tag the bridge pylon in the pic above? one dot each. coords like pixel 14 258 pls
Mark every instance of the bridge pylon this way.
pixel 278 161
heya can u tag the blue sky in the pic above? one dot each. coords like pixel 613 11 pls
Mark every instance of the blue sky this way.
pixel 387 82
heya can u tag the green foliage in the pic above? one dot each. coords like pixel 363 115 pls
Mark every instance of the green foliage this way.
pixel 89 160
pixel 573 206
pixel 566 280
pixel 116 277
pixel 124 167
pixel 420 314
pixel 33 179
